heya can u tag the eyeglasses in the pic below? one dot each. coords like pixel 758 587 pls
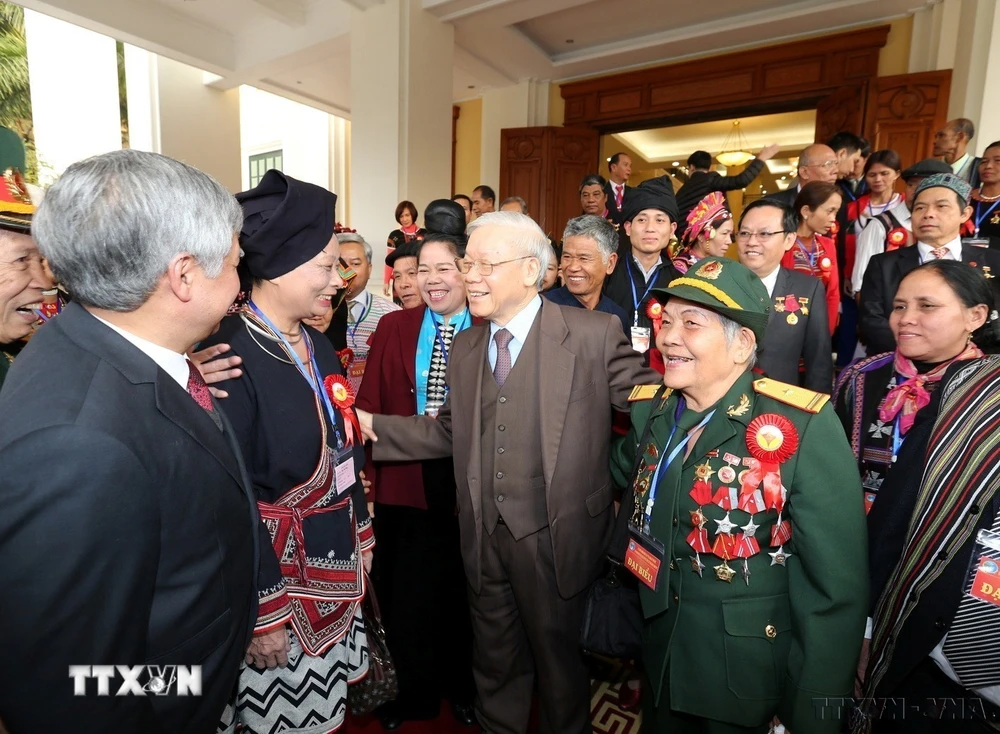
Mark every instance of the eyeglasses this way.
pixel 743 236
pixel 824 164
pixel 485 268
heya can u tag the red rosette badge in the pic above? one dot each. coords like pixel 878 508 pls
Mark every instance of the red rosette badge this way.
pixel 342 397
pixel 772 439
pixel 654 310
pixel 834 229
pixel 346 358
pixel 897 238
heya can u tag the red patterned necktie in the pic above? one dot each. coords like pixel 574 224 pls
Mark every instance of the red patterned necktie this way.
pixel 198 388
pixel 619 195
pixel 502 368
pixel 941 253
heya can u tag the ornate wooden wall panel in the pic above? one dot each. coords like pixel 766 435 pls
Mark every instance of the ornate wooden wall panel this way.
pixel 842 110
pixel 791 75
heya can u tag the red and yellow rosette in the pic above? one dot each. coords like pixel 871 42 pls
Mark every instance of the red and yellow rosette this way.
pixel 346 358
pixel 342 397
pixel 772 440
pixel 834 229
pixel 654 310
pixel 897 237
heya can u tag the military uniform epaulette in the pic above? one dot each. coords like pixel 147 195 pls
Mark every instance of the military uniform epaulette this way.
pixel 646 392
pixel 797 397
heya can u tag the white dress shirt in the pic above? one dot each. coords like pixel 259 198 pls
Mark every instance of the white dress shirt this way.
pixel 770 281
pixel 954 251
pixel 519 326
pixel 647 274
pixel 171 362
pixel 871 242
pixel 360 305
pixel 959 167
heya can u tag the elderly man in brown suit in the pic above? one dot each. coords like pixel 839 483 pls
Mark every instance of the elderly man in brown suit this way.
pixel 528 421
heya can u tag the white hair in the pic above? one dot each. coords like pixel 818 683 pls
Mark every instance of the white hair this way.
pixel 345 237
pixel 527 238
pixel 599 229
pixel 111 224
pixel 731 330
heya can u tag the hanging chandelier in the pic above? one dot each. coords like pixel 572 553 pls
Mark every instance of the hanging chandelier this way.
pixel 734 148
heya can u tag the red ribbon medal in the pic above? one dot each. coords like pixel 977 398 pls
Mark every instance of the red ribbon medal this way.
pixel 791 304
pixel 654 310
pixel 771 439
pixel 339 390
pixel 346 357
pixel 897 238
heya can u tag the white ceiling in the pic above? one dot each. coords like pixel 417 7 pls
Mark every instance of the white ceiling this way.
pixel 301 48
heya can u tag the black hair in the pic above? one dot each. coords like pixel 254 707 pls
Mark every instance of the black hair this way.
pixel 593 179
pixel 406 206
pixel 443 216
pixel 486 192
pixel 991 145
pixel 700 159
pixel 885 157
pixel 456 197
pixel 455 242
pixel 789 219
pixel 866 147
pixel 972 289
pixel 613 160
pixel 815 194
pixel 845 141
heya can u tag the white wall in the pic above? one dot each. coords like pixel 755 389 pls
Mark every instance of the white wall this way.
pixel 74 93
pixel 525 104
pixel 269 122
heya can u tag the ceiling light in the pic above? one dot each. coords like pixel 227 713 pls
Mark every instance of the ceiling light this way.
pixel 783 178
pixel 734 148
pixel 675 164
pixel 609 160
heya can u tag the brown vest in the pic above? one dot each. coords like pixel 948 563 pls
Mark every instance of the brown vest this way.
pixel 513 484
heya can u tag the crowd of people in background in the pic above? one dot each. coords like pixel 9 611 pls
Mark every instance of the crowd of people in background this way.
pixel 783 418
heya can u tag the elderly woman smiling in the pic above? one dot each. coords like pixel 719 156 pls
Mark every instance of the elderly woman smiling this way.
pixel 746 528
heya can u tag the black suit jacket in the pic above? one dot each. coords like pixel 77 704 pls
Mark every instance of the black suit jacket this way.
pixel 128 536
pixel 807 340
pixel 882 278
pixel 787 197
pixel 614 214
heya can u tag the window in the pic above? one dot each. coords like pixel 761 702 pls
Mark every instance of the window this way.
pixel 262 163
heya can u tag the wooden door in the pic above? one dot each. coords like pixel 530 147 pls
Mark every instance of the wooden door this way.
pixel 903 112
pixel 544 166
pixel 841 111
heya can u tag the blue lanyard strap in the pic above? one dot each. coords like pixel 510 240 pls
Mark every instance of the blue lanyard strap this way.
pixel 980 219
pixel 811 256
pixel 661 465
pixel 636 301
pixel 317 384
pixel 364 312
pixel 897 439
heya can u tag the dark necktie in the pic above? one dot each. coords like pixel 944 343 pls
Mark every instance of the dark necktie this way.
pixel 969 647
pixel 503 364
pixel 436 388
pixel 198 389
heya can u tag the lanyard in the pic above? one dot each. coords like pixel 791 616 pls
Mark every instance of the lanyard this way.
pixel 438 325
pixel 847 190
pixel 364 312
pixel 316 385
pixel 979 219
pixel 811 256
pixel 636 301
pixel 897 440
pixel 871 207
pixel 660 465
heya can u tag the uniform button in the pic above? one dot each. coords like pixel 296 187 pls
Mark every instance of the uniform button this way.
pixel 500 450
pixel 942 556
pixel 770 632
pixel 676 598
pixel 675 522
pixel 974 510
pixel 940 624
pixel 502 428
pixel 673 566
pixel 500 498
pixel 503 400
pixel 499 475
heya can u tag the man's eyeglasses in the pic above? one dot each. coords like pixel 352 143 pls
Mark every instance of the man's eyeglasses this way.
pixel 484 267
pixel 824 164
pixel 744 236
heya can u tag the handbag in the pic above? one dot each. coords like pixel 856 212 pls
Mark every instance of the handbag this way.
pixel 380 685
pixel 612 616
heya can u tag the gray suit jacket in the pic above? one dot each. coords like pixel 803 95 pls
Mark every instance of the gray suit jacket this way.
pixel 586 367
pixel 808 339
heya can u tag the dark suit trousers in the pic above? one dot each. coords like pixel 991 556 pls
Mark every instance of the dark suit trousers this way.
pixel 520 624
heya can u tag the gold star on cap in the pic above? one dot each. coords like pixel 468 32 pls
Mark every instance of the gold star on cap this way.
pixel 703 471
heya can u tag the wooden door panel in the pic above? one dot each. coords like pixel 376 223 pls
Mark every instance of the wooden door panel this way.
pixel 905 111
pixel 522 165
pixel 843 110
pixel 574 154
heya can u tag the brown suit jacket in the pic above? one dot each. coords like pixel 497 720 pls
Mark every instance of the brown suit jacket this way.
pixel 586 366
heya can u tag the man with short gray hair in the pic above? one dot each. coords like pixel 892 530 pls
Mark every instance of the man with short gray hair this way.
pixel 365 309
pixel 589 256
pixel 514 204
pixel 528 421
pixel 129 533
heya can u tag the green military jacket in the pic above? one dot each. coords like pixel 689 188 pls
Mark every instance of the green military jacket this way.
pixel 771 644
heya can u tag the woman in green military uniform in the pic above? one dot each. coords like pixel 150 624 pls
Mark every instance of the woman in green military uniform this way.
pixel 747 526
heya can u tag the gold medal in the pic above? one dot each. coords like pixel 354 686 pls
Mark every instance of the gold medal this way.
pixel 704 471
pixel 724 573
pixel 792 319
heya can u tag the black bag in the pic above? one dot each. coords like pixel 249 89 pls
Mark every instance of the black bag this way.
pixel 380 685
pixel 612 616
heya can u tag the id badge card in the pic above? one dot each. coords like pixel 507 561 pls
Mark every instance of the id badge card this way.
pixel 345 475
pixel 976 241
pixel 640 339
pixel 983 578
pixel 644 556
